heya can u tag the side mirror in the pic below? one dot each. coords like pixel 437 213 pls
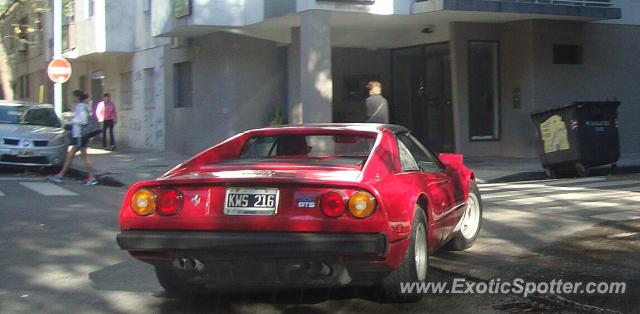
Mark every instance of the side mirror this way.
pixel 451 160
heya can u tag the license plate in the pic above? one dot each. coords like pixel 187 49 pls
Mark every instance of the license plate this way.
pixel 251 201
pixel 24 153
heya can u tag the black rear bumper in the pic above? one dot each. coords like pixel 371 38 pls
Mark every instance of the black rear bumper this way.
pixel 255 242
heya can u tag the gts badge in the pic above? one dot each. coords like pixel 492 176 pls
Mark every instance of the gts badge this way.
pixel 306 203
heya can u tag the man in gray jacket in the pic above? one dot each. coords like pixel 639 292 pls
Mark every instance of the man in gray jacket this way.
pixel 376 105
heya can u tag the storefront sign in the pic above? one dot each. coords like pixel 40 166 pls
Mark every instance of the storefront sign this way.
pixel 181 8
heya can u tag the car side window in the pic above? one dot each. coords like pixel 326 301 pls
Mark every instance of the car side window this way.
pixel 436 162
pixel 424 159
pixel 407 162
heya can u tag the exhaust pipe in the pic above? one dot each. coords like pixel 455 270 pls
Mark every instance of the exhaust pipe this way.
pixel 189 264
pixel 319 269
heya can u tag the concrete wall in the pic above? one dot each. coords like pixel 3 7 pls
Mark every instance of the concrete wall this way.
pixel 630 12
pixel 610 70
pixel 108 29
pixel 237 83
pixel 239 13
pixel 517 73
pixel 526 51
pixel 461 33
pixel 120 18
pixel 206 13
pixel 356 62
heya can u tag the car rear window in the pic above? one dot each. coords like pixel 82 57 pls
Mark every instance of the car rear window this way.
pixel 326 149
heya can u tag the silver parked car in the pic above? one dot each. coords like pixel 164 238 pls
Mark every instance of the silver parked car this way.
pixel 31 135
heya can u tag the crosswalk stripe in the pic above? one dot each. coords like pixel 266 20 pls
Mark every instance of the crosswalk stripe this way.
pixel 19 179
pixel 598 198
pixel 582 196
pixel 619 216
pixel 591 206
pixel 629 186
pixel 47 189
pixel 549 182
pixel 524 189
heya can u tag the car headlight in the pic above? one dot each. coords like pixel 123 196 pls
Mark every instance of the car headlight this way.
pixel 58 140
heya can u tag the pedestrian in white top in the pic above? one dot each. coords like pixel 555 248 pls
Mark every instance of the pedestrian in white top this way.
pixel 80 118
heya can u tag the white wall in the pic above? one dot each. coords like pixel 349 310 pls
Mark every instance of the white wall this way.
pixel 630 12
pixel 609 71
pixel 237 83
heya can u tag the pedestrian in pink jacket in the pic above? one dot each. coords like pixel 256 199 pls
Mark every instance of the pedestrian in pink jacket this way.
pixel 106 113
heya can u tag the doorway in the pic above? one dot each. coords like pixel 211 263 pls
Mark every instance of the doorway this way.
pixel 97 86
pixel 422 96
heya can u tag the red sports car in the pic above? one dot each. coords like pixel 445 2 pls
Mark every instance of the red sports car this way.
pixel 302 206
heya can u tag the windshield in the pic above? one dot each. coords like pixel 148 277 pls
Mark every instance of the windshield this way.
pixel 309 148
pixel 31 116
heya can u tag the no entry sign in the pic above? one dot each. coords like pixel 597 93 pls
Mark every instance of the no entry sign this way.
pixel 59 70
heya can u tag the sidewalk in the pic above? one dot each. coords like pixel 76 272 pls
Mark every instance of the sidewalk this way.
pixel 498 169
pixel 127 166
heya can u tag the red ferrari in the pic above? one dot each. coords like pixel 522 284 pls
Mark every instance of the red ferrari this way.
pixel 317 205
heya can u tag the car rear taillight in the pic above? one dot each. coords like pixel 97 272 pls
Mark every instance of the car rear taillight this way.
pixel 333 203
pixel 163 201
pixel 143 202
pixel 362 204
pixel 169 201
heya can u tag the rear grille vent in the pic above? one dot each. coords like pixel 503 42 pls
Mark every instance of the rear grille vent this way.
pixel 11 141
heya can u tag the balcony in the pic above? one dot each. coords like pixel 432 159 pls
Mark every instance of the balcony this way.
pixel 588 3
pixel 102 26
pixel 588 10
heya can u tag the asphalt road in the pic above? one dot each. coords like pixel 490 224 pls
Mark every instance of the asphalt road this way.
pixel 58 255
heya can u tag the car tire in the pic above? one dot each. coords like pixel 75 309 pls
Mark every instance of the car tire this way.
pixel 582 170
pixel 414 265
pixel 172 283
pixel 551 172
pixel 472 221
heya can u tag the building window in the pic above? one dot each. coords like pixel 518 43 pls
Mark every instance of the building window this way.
pixel 484 91
pixel 567 54
pixel 126 97
pixel 22 31
pixel 89 8
pixel 181 8
pixel 68 11
pixel 183 88
pixel 146 5
pixel 149 90
pixel 24 87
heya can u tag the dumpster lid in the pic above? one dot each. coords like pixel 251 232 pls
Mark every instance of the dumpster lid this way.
pixel 577 104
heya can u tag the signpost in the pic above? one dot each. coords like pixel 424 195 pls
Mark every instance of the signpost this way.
pixel 57 52
pixel 59 70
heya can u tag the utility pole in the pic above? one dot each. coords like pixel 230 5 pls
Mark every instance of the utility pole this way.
pixel 57 52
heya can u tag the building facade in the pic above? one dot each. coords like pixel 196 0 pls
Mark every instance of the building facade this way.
pixel 464 75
